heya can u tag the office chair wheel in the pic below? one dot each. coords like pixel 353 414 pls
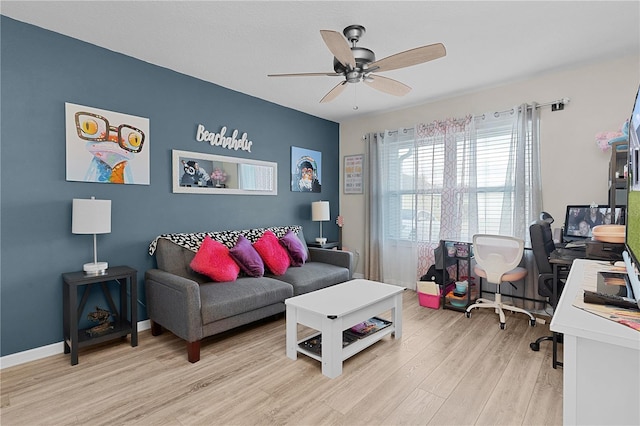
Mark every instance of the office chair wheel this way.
pixel 535 346
pixel 532 322
pixel 502 326
pixel 468 314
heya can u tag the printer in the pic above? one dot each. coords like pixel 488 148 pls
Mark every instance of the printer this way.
pixel 607 243
pixel 601 250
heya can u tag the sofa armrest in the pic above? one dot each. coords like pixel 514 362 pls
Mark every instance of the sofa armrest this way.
pixel 333 257
pixel 174 303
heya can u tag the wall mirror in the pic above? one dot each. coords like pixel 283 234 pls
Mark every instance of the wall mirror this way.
pixel 198 173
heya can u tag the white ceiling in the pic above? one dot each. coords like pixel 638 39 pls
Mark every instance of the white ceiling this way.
pixel 235 44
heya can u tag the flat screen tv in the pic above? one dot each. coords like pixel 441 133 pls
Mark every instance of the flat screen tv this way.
pixel 632 238
pixel 580 220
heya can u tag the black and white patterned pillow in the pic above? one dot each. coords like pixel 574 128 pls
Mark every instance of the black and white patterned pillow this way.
pixel 192 241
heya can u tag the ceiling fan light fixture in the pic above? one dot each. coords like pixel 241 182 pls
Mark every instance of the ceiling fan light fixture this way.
pixel 354 76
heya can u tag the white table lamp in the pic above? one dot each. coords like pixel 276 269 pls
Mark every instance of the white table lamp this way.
pixel 92 217
pixel 320 213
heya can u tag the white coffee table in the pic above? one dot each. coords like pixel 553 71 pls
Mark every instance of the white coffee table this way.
pixel 334 309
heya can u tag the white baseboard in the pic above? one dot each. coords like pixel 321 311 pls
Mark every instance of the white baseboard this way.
pixel 45 351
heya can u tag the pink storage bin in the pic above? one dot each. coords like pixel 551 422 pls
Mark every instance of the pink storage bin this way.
pixel 431 300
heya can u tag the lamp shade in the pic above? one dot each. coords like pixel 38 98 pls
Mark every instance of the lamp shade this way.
pixel 91 216
pixel 320 211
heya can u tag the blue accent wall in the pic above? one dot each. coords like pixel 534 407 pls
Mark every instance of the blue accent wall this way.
pixel 40 71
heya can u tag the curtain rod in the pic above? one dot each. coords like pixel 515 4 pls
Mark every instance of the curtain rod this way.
pixel 556 105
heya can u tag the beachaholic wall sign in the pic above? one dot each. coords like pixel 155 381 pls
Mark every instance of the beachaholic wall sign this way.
pixel 221 139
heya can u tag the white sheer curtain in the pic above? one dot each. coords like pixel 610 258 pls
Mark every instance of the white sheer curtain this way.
pixel 507 191
pixel 373 206
pixel 449 180
pixel 388 257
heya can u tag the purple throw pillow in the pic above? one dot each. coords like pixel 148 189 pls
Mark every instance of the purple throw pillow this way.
pixel 247 257
pixel 292 243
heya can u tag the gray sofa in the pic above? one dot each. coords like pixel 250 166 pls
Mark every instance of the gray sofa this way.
pixel 193 307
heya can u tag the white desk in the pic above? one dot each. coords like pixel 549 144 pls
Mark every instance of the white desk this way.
pixel 336 308
pixel 601 359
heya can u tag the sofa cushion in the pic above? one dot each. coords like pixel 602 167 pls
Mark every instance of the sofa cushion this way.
pixel 224 300
pixel 313 276
pixel 297 253
pixel 275 256
pixel 247 257
pixel 175 259
pixel 214 261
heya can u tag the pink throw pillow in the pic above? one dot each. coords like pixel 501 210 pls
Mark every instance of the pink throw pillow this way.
pixel 294 247
pixel 214 261
pixel 275 257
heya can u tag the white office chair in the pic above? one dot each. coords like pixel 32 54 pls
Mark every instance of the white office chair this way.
pixel 497 258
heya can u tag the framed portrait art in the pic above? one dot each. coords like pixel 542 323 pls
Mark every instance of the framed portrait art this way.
pixel 306 170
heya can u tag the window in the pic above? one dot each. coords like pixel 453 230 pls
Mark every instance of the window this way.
pixel 450 180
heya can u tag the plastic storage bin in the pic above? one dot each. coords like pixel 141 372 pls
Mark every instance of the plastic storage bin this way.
pixel 429 300
pixel 430 295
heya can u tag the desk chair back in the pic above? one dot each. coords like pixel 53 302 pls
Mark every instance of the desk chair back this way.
pixel 497 254
pixel 542 245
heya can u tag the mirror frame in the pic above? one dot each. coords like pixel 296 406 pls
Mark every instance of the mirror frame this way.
pixel 177 155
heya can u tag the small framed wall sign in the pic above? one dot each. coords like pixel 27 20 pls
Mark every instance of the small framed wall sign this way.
pixel 353 174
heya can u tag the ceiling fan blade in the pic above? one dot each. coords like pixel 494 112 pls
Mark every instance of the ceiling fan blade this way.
pixel 408 58
pixel 339 47
pixel 306 74
pixel 387 85
pixel 333 93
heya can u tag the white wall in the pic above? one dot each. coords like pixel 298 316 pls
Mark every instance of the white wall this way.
pixel 574 170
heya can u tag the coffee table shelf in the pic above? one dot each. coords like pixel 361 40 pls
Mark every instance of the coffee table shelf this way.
pixel 351 342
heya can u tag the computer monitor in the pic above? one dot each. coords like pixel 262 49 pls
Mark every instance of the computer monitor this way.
pixel 580 220
pixel 632 239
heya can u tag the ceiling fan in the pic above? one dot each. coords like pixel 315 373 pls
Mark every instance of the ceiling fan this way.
pixel 358 64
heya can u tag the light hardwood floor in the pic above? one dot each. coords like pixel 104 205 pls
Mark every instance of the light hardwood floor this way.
pixel 446 370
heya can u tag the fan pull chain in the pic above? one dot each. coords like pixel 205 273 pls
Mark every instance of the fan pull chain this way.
pixel 355 97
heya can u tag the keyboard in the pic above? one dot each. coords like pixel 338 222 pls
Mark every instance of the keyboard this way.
pixel 575 244
pixel 564 253
pixel 599 298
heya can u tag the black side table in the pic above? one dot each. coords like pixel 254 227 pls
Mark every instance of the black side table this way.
pixel 327 245
pixel 75 338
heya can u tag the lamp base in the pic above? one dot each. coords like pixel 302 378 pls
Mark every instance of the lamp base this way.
pixel 321 240
pixel 95 268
